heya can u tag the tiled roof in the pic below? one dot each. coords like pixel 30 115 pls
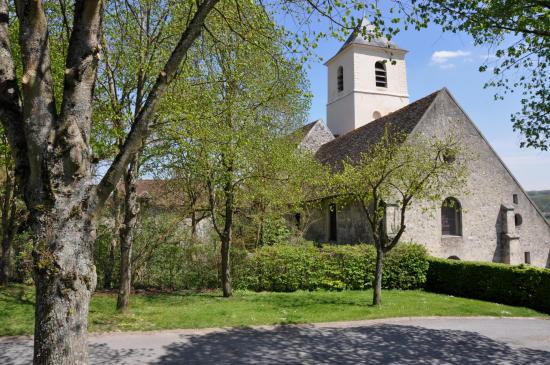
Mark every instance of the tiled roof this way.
pixel 359 141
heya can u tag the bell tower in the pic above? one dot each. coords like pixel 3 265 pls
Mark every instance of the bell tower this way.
pixel 367 79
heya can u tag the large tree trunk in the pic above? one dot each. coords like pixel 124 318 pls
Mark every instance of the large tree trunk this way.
pixel 118 205
pixel 52 152
pixel 65 278
pixel 377 298
pixel 131 210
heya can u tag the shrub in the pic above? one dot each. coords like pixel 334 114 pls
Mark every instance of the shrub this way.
pixel 516 285
pixel 405 267
pixel 306 267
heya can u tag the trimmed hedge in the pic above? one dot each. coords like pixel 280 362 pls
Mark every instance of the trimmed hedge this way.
pixel 515 285
pixel 286 268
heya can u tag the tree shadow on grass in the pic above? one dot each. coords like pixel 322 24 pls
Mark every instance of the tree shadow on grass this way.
pixel 377 344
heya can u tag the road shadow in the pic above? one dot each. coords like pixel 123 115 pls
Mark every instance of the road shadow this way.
pixel 377 344
pixel 20 352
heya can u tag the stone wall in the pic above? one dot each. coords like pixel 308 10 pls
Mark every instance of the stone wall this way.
pixel 489 231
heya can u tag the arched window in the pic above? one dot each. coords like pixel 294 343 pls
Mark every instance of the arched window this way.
pixel 376 115
pixel 451 217
pixel 340 78
pixel 518 220
pixel 381 75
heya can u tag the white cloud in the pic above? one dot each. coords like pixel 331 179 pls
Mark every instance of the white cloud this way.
pixel 442 58
pixel 447 66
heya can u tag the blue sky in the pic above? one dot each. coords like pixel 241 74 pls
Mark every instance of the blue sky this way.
pixel 437 60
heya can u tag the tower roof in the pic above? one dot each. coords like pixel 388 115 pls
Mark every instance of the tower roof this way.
pixel 365 33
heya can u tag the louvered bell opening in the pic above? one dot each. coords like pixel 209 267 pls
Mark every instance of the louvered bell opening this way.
pixel 381 76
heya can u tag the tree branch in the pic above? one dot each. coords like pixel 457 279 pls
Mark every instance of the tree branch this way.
pixel 11 113
pixel 139 130
pixel 39 111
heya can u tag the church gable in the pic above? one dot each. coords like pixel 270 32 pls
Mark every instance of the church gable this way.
pixel 314 135
pixel 496 209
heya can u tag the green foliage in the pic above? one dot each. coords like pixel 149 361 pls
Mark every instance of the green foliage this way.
pixel 288 268
pixel 515 285
pixel 164 256
pixel 405 267
pixel 275 231
pixel 23 246
pixel 518 32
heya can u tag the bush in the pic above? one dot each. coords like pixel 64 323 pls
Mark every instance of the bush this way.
pixel 306 267
pixel 515 285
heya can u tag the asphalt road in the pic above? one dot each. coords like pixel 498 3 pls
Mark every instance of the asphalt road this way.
pixel 396 341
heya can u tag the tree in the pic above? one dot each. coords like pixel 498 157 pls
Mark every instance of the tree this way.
pixel 46 109
pixel 393 173
pixel 137 36
pixel 51 149
pixel 235 136
pixel 519 31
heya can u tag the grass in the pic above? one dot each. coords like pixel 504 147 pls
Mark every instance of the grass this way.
pixel 200 310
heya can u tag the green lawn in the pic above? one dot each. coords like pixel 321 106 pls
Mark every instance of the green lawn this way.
pixel 196 310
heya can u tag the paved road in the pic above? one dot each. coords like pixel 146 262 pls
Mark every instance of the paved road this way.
pixel 398 341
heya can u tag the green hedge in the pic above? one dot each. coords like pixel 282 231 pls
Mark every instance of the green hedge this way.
pixel 515 285
pixel 305 267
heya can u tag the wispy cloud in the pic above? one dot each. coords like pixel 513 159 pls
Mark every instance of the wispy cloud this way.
pixel 443 58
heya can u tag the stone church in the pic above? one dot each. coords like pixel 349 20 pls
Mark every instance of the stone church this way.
pixel 494 221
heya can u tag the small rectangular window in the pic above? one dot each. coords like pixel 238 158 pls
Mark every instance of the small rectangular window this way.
pixel 332 234
pixel 528 258
pixel 515 198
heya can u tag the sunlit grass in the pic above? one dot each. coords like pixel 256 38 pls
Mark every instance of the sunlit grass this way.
pixel 200 310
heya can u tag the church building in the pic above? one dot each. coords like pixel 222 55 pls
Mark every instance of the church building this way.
pixel 494 221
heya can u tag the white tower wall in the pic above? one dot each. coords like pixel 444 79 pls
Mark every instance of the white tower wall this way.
pixel 361 100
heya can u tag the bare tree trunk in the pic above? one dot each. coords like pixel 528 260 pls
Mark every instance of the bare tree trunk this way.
pixel 226 241
pixel 65 278
pixel 5 261
pixel 377 298
pixel 226 273
pixel 9 226
pixel 118 204
pixel 131 210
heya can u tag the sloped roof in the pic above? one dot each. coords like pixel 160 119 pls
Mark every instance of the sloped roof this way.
pixel 360 140
pixel 304 130
pixel 369 38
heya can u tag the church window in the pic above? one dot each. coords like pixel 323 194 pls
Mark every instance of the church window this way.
pixel 515 198
pixel 518 220
pixel 332 233
pixel 527 257
pixel 376 115
pixel 451 217
pixel 381 75
pixel 453 257
pixel 340 78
